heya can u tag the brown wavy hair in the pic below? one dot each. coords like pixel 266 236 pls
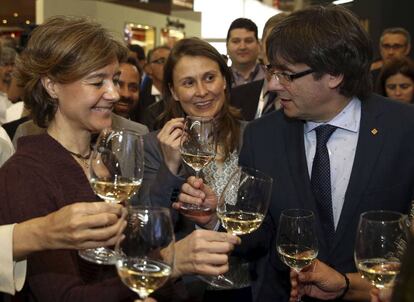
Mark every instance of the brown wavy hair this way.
pixel 64 49
pixel 228 124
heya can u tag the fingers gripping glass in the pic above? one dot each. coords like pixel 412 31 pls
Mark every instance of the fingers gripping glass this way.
pixel 198 149
pixel 115 174
pixel 286 78
pixel 241 209
pixel 296 242
pixel 145 252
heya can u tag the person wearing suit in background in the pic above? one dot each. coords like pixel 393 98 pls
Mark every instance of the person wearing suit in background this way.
pixel 151 102
pixel 320 59
pixel 254 99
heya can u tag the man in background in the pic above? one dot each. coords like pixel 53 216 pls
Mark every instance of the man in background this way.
pixel 395 42
pixel 254 99
pixel 243 48
pixel 129 81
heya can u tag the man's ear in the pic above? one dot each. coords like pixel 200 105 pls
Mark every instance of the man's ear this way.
pixel 407 49
pixel 335 80
pixel 50 86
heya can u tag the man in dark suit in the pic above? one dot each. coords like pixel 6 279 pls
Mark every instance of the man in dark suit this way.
pixel 253 99
pixel 320 61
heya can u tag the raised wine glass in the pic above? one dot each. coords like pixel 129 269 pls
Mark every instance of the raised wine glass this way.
pixel 145 254
pixel 198 149
pixel 380 244
pixel 241 209
pixel 296 242
pixel 116 170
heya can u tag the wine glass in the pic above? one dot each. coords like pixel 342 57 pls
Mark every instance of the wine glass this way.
pixel 145 254
pixel 241 209
pixel 116 170
pixel 198 149
pixel 380 244
pixel 296 242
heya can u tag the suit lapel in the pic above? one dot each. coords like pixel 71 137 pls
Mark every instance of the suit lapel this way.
pixel 297 164
pixel 370 142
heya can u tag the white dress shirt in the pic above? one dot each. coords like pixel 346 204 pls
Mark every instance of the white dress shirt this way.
pixel 341 148
pixel 12 274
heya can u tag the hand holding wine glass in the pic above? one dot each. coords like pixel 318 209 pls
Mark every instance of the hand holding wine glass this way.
pixel 198 149
pixel 115 174
pixel 296 240
pixel 242 207
pixel 380 243
pixel 145 254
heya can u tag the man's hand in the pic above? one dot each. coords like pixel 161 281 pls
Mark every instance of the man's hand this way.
pixel 318 281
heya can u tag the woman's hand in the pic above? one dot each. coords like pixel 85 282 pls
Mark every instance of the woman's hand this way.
pixel 169 138
pixel 80 225
pixel 195 191
pixel 204 252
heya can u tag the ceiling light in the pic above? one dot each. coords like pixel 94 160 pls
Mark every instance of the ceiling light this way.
pixel 337 2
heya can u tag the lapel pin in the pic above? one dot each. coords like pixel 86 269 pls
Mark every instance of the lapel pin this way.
pixel 374 131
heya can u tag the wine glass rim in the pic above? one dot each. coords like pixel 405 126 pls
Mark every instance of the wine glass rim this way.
pixel 398 216
pixel 147 208
pixel 300 213
pixel 255 173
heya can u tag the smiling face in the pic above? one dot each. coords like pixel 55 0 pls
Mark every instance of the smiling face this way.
pixel 86 104
pixel 242 46
pixel 400 87
pixel 128 89
pixel 199 86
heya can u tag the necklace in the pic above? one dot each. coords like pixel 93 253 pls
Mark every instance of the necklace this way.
pixel 83 160
pixel 80 156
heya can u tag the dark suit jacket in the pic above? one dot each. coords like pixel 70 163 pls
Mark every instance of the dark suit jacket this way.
pixel 382 178
pixel 246 97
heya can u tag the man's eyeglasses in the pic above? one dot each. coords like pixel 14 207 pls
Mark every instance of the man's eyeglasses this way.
pixel 393 46
pixel 286 78
pixel 160 61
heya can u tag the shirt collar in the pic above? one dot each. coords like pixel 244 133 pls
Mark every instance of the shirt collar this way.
pixel 348 119
pixel 252 74
pixel 155 91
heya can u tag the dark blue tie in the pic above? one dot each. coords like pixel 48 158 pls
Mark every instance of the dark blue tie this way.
pixel 321 181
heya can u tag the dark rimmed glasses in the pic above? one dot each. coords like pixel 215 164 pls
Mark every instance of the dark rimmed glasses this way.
pixel 286 78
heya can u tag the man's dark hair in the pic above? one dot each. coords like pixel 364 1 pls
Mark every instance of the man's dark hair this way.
pixel 245 23
pixel 330 40
pixel 151 52
pixel 138 50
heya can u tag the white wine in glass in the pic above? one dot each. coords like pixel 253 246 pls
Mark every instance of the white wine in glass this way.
pixel 296 241
pixel 145 256
pixel 116 170
pixel 198 149
pixel 242 208
pixel 380 244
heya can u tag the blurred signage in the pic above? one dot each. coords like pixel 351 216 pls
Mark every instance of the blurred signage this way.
pixel 186 4
pixel 159 6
